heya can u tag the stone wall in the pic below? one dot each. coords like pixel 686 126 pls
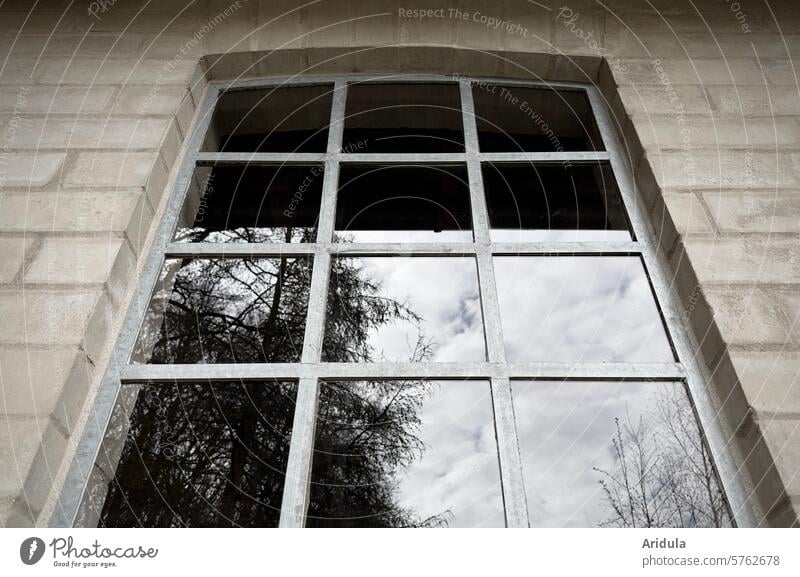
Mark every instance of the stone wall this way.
pixel 96 100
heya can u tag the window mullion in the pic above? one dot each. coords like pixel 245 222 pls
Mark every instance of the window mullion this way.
pixel 298 469
pixel 408 370
pixel 516 505
pixel 495 348
pixel 298 474
pixel 516 510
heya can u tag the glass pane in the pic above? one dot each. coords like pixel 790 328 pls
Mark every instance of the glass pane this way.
pixel 198 455
pixel 400 309
pixel 405 454
pixel 403 204
pixel 608 454
pixel 251 203
pixel 579 309
pixel 516 119
pixel 288 119
pixel 231 310
pixel 553 202
pixel 403 118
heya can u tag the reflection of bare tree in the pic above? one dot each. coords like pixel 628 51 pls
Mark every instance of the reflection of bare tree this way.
pixel 214 454
pixel 663 475
pixel 228 310
pixel 247 234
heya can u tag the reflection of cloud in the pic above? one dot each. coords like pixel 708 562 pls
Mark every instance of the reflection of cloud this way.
pixel 565 429
pixel 444 292
pixel 407 235
pixel 579 309
pixel 558 235
pixel 459 469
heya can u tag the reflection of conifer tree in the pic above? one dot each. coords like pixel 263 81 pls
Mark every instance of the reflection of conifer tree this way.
pixel 663 475
pixel 213 454
pixel 366 433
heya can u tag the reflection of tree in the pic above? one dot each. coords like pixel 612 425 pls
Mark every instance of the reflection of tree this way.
pixel 203 455
pixel 228 310
pixel 663 475
pixel 366 435
pixel 213 454
pixel 349 321
pixel 247 234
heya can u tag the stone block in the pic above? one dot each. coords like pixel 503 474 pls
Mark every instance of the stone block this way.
pixel 19 442
pixel 736 211
pixel 56 132
pixel 648 100
pixel 140 100
pixel 46 317
pixel 72 211
pixel 770 379
pixel 734 169
pixel 745 260
pixel 33 379
pixel 754 100
pixel 55 99
pixel 73 260
pixel 782 436
pixel 673 132
pixel 747 316
pixel 12 253
pixel 109 169
pixel 29 170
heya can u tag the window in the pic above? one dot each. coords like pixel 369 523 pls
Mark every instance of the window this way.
pixel 403 301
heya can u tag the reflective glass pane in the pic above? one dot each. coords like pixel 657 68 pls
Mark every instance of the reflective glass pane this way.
pixel 553 202
pixel 197 455
pixel 403 118
pixel 287 119
pixel 614 454
pixel 403 204
pixel 400 309
pixel 231 310
pixel 516 119
pixel 579 309
pixel 251 203
pixel 405 454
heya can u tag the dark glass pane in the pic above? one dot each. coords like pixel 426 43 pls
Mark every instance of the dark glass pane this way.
pixel 400 309
pixel 403 118
pixel 405 454
pixel 609 454
pixel 251 203
pixel 288 119
pixel 579 309
pixel 553 202
pixel 403 204
pixel 230 310
pixel 198 455
pixel 516 119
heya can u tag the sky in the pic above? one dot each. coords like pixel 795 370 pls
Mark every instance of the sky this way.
pixel 444 292
pixel 579 309
pixel 565 430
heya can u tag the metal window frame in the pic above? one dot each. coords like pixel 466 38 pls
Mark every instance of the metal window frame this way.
pixel 310 371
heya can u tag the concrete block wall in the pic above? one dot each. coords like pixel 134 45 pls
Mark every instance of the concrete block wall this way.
pixel 96 99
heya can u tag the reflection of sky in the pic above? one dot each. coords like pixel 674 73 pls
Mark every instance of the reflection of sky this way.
pixel 444 292
pixel 407 236
pixel 579 309
pixel 459 468
pixel 565 429
pixel 558 235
